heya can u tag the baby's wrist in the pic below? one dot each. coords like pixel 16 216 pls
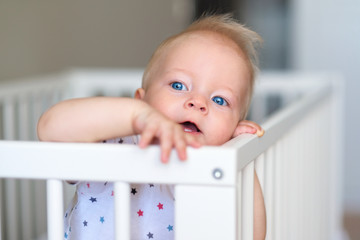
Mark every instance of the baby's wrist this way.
pixel 141 113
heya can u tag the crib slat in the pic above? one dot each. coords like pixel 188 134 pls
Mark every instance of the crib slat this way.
pixel 23 119
pixel 12 209
pixel 278 200
pixel 300 181
pixel 324 157
pixel 55 211
pixel 289 188
pixel 293 168
pixel 36 111
pixel 238 206
pixel 285 182
pixel 247 207
pixel 269 192
pixel 122 210
pixel 328 158
pixel 26 209
pixel 40 214
pixel 9 119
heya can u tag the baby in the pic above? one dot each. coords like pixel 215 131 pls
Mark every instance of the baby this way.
pixel 196 91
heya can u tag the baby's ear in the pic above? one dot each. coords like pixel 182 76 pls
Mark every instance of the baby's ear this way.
pixel 140 93
pixel 246 126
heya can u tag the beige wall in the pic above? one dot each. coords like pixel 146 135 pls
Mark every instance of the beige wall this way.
pixel 42 36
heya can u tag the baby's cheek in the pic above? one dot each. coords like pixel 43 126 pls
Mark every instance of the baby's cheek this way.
pixel 221 135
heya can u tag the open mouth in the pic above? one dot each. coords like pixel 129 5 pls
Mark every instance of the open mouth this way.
pixel 190 127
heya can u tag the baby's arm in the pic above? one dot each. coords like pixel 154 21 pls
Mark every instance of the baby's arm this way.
pixel 101 118
pixel 87 120
pixel 259 211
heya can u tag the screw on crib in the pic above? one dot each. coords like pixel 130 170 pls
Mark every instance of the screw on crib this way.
pixel 217 173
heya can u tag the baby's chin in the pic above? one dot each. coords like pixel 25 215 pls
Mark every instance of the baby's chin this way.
pixel 201 137
pixel 215 141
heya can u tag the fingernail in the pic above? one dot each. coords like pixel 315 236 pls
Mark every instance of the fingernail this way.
pixel 183 156
pixel 260 133
pixel 164 158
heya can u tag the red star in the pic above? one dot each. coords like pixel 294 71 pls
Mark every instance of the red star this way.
pixel 160 206
pixel 140 213
pixel 112 193
pixel 88 185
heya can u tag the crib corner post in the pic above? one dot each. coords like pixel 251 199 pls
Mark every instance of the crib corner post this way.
pixel 55 211
pixel 213 208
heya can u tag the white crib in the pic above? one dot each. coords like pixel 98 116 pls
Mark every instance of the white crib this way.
pixel 298 162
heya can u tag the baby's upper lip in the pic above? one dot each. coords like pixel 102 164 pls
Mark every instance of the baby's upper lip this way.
pixel 190 126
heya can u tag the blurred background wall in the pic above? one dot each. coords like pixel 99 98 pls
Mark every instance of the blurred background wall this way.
pixel 40 36
pixel 45 36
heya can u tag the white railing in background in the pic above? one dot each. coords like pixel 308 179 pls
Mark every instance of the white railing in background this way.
pixel 297 161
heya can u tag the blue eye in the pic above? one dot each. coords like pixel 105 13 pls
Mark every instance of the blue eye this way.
pixel 220 101
pixel 178 86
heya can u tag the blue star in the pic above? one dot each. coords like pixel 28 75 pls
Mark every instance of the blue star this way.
pixel 150 235
pixel 102 220
pixel 85 223
pixel 170 228
pixel 66 236
pixel 93 199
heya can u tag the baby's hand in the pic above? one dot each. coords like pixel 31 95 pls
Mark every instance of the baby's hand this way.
pixel 155 127
pixel 246 126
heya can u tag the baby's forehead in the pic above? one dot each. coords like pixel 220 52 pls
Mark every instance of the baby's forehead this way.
pixel 207 36
pixel 172 46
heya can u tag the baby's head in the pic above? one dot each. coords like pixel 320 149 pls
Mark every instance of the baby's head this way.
pixel 203 77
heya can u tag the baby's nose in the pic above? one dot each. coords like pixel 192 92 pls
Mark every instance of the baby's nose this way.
pixel 197 104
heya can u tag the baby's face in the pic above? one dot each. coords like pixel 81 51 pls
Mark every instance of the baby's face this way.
pixel 202 83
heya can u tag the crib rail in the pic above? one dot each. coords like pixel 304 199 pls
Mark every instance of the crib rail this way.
pixel 297 162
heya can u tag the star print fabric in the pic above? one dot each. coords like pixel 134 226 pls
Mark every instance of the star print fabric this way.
pixel 91 213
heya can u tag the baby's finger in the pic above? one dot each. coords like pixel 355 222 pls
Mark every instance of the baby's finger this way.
pixel 180 144
pixel 247 126
pixel 165 146
pixel 193 142
pixel 147 136
pixel 181 150
pixel 250 124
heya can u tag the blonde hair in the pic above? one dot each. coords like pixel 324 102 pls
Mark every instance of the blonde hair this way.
pixel 225 25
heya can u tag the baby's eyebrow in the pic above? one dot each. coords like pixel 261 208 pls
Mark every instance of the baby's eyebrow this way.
pixel 178 70
pixel 179 73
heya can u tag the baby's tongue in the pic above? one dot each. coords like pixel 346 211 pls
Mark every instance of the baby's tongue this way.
pixel 189 127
